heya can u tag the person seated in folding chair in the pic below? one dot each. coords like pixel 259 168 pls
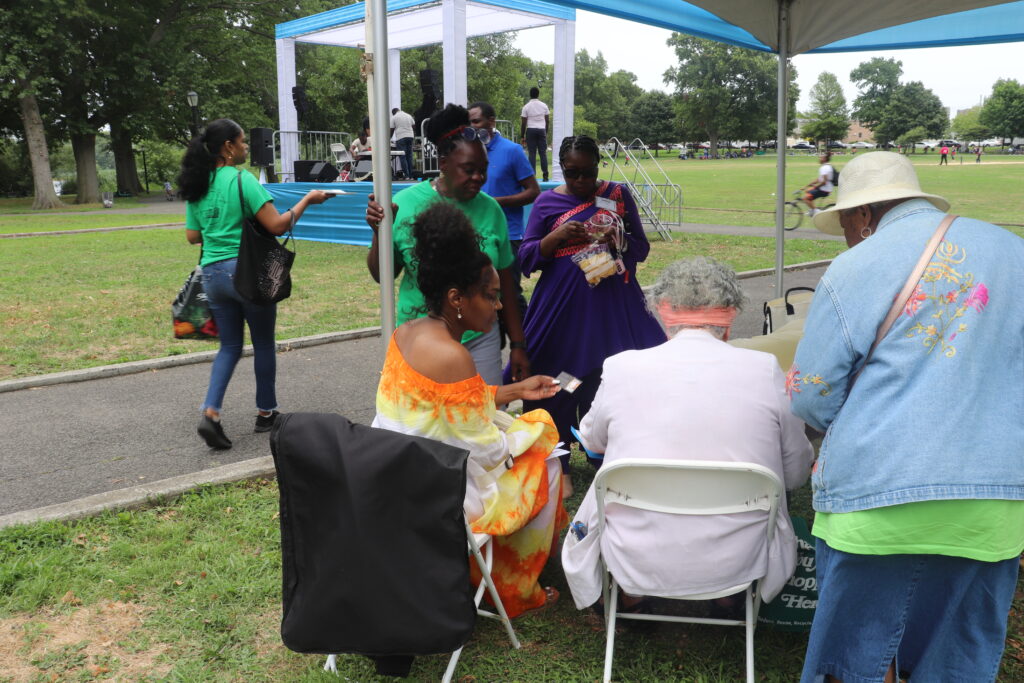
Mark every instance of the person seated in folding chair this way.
pixel 430 387
pixel 693 397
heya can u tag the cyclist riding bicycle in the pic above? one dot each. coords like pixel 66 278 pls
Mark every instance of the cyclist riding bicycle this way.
pixel 822 186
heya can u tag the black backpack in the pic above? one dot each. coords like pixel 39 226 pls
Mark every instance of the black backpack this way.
pixel 835 175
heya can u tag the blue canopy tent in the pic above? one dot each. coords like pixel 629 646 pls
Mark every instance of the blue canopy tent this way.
pixel 784 27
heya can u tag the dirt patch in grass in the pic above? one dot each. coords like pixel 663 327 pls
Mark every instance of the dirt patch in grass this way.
pixel 91 643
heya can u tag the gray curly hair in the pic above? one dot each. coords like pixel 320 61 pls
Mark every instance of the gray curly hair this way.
pixel 699 282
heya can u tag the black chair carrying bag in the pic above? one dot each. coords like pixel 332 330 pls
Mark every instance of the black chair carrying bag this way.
pixel 264 272
pixel 373 540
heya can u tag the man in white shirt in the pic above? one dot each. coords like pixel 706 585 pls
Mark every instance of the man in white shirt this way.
pixel 402 125
pixel 822 187
pixel 533 130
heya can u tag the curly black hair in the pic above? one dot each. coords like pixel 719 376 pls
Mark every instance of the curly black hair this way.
pixel 445 121
pixel 578 143
pixel 447 254
pixel 200 158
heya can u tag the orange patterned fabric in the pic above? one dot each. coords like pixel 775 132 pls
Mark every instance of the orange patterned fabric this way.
pixel 520 507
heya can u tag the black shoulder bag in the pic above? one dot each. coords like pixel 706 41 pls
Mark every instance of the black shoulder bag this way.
pixel 263 275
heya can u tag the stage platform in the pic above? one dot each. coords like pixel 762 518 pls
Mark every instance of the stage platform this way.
pixel 341 219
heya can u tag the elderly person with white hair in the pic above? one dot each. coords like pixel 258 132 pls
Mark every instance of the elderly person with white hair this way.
pixel 919 485
pixel 693 397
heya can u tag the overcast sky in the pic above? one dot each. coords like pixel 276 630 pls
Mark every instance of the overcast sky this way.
pixel 960 76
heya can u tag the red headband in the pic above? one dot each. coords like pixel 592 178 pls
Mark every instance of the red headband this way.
pixel 452 133
pixel 713 317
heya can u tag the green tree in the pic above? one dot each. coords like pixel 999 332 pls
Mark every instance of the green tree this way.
pixel 968 126
pixel 827 117
pixel 1003 112
pixel 876 79
pixel 910 138
pixel 723 91
pixel 606 99
pixel 912 105
pixel 30 42
pixel 655 118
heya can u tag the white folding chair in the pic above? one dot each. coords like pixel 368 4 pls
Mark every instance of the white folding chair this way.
pixel 695 487
pixel 484 561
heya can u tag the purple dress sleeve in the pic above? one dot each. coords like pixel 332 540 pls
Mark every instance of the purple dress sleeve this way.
pixel 530 258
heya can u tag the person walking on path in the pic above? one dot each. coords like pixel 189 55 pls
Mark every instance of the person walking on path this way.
pixel 977 155
pixel 533 130
pixel 510 180
pixel 402 125
pixel 209 183
pixel 944 159
pixel 919 522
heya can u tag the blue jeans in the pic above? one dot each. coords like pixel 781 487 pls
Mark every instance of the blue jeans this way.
pixel 231 311
pixel 405 145
pixel 939 618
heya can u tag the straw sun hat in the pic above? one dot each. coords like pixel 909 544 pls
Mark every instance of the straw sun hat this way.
pixel 871 178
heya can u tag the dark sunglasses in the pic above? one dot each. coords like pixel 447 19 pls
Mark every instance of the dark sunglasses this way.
pixel 469 133
pixel 574 173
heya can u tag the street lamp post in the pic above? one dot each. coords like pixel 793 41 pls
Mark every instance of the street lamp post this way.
pixel 193 102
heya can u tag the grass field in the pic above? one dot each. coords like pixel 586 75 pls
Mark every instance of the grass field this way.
pixel 190 590
pixel 76 301
pixel 48 222
pixel 24 205
pixel 991 191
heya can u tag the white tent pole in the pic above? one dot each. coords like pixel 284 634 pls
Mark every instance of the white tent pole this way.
pixel 563 99
pixel 780 145
pixel 453 31
pixel 287 117
pixel 394 78
pixel 380 124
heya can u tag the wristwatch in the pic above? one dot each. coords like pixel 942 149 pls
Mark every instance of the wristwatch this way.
pixel 517 345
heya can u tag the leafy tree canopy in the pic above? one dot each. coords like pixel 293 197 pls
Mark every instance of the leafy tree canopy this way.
pixel 1003 112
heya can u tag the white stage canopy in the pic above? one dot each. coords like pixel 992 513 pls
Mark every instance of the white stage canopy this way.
pixel 415 23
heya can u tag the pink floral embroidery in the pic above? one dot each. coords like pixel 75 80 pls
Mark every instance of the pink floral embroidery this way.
pixel 914 302
pixel 950 307
pixel 978 298
pixel 793 381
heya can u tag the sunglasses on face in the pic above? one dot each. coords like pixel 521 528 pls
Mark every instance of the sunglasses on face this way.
pixel 574 173
pixel 469 134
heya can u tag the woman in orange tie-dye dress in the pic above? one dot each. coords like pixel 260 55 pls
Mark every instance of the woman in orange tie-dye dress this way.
pixel 430 387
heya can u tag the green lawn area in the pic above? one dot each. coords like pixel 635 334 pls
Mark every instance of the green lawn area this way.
pixel 24 205
pixel 991 191
pixel 50 221
pixel 190 590
pixel 77 301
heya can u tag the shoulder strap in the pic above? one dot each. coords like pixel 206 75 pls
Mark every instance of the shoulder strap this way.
pixel 908 288
pixel 241 199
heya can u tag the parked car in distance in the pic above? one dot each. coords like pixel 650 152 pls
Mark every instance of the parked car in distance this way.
pixel 949 143
pixel 836 144
pixel 860 144
pixel 802 145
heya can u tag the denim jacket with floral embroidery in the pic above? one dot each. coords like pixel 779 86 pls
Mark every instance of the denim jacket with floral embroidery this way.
pixel 938 413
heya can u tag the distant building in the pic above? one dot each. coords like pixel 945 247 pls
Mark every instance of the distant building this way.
pixel 858 133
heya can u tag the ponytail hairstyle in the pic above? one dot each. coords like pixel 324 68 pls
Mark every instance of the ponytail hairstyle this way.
pixel 200 159
pixel 578 143
pixel 443 122
pixel 446 254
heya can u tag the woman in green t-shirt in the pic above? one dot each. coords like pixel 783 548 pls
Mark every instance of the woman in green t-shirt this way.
pixel 462 159
pixel 209 182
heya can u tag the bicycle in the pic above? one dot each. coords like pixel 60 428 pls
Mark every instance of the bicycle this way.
pixel 797 209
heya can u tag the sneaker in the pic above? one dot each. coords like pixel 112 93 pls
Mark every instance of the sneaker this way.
pixel 265 422
pixel 213 433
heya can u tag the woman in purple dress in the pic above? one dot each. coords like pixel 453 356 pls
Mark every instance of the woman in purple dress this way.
pixel 586 308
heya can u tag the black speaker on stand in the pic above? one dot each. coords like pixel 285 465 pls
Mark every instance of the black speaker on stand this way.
pixel 430 85
pixel 261 147
pixel 315 172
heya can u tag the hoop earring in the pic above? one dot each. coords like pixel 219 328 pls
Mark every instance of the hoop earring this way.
pixel 459 313
pixel 865 232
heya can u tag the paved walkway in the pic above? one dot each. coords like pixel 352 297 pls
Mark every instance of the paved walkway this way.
pixel 67 441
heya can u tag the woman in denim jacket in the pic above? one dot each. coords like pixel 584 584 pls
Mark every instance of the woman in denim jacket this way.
pixel 919 481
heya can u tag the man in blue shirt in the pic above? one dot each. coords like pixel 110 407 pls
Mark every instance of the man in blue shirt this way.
pixel 510 180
